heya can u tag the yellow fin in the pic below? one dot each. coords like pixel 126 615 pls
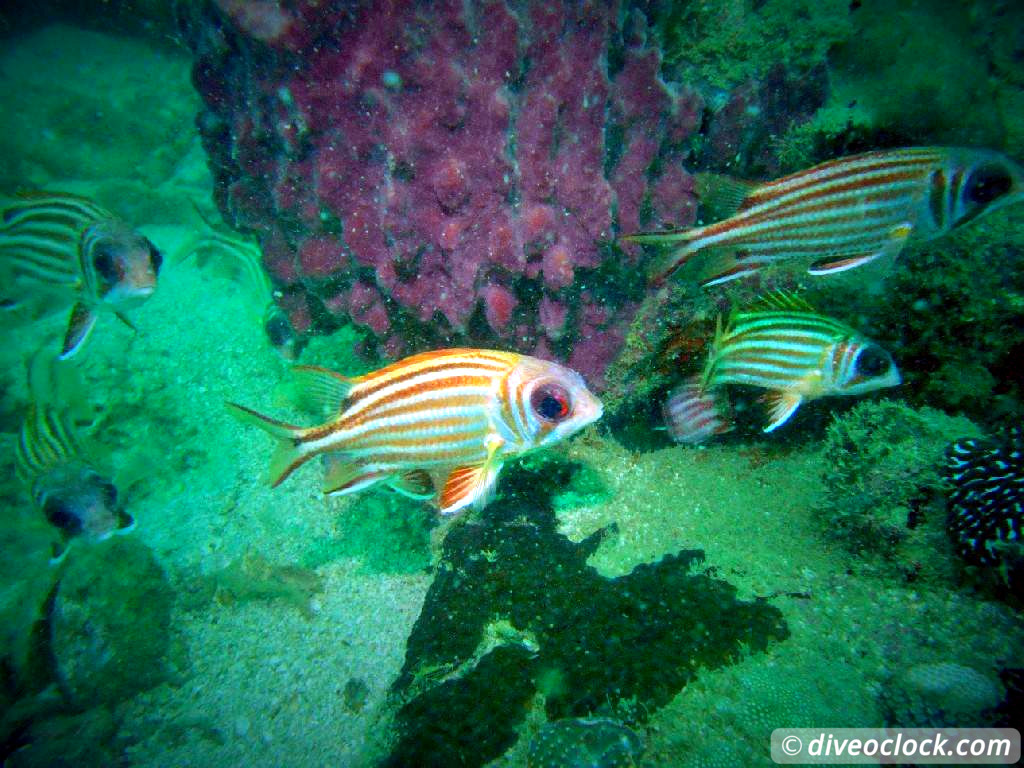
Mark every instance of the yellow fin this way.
pixel 722 196
pixel 781 300
pixel 782 405
pixel 473 484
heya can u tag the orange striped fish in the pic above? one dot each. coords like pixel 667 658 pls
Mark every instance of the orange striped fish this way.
pixel 797 355
pixel 435 425
pixel 846 212
pixel 67 247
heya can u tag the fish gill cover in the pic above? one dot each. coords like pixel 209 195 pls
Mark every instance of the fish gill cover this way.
pixel 515 610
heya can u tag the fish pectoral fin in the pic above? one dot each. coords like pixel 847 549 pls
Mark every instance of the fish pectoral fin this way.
pixel 125 522
pixel 897 239
pixel 343 476
pixel 472 484
pixel 80 325
pixel 319 389
pixel 416 484
pixel 781 405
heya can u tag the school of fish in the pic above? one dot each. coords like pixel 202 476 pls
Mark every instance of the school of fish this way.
pixel 440 425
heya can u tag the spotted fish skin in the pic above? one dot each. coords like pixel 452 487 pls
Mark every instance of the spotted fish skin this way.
pixel 445 420
pixel 986 504
pixel 850 211
pixel 69 248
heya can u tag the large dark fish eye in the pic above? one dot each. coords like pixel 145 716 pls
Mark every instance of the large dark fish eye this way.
pixel 103 261
pixel 873 361
pixel 60 515
pixel 987 183
pixel 155 258
pixel 550 402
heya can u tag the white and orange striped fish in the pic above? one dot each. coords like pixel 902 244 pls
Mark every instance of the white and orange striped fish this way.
pixel 846 212
pixel 435 425
pixel 69 250
pixel 797 355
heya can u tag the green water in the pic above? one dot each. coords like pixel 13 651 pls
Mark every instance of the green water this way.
pixel 242 625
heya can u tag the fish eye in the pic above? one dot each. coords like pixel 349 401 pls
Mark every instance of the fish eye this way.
pixel 987 183
pixel 873 361
pixel 61 516
pixel 103 261
pixel 550 402
pixel 155 258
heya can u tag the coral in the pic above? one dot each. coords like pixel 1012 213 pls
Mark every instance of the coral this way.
pixel 884 484
pixel 589 644
pixel 941 695
pixel 110 623
pixel 590 741
pixel 444 174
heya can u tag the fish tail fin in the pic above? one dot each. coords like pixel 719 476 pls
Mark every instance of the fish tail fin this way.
pixel 289 454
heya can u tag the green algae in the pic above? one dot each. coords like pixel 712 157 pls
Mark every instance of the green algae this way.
pixel 723 44
pixel 885 486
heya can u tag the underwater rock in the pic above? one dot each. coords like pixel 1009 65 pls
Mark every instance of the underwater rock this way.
pixel 885 486
pixel 86 740
pixel 438 174
pixel 585 742
pixel 110 623
pixel 941 695
pixel 986 503
pixel 587 643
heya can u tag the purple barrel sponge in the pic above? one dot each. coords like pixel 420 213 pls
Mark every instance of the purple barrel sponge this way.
pixel 447 173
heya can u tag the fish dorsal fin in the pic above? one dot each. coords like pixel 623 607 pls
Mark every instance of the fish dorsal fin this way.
pixel 416 484
pixel 319 389
pixel 780 300
pixel 781 405
pixel 343 476
pixel 472 484
pixel 722 196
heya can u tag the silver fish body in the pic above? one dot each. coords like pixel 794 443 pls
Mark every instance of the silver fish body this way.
pixel 66 250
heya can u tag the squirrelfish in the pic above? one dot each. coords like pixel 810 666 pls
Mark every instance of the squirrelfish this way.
pixel 74 496
pixel 846 212
pixel 693 414
pixel 435 425
pixel 68 248
pixel 797 355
